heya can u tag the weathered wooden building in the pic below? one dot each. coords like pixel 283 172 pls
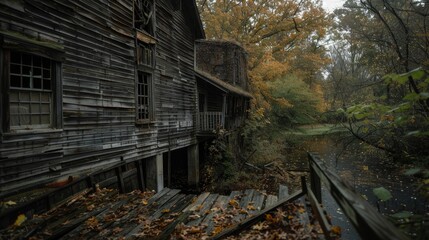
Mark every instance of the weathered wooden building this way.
pixel 87 85
pixel 223 97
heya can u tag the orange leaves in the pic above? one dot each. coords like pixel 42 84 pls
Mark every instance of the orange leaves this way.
pixel 336 230
pixel 269 217
pixel 190 232
pixel 217 230
pixel 250 207
pixel 165 210
pixel 281 37
pixel 92 223
pixel 234 203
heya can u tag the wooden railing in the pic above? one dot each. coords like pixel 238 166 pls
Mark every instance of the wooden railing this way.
pixel 367 221
pixel 209 121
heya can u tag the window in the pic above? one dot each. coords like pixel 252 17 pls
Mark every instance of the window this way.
pixel 144 101
pixel 145 54
pixel 30 82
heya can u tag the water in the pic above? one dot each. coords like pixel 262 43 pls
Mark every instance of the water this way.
pixel 364 168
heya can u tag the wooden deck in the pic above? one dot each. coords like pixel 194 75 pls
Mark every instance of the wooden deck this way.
pixel 105 214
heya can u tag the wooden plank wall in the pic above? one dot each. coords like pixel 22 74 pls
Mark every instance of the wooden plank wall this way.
pixel 175 82
pixel 98 79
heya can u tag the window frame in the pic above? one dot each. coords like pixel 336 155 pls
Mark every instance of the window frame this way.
pixel 151 115
pixel 56 116
pixel 145 41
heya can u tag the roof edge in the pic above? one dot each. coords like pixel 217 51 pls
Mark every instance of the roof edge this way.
pixel 222 85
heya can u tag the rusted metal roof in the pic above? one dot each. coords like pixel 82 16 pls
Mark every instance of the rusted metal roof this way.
pixel 222 85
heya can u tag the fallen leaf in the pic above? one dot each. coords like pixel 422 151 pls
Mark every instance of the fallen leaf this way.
pixel 9 203
pixel 251 207
pixel 20 219
pixel 194 217
pixel 92 223
pixel 194 230
pixel 243 211
pixel 233 203
pixel 117 230
pixel 165 210
pixel 144 202
pixel 217 230
pixel 336 230
pixel 90 207
pixel 258 226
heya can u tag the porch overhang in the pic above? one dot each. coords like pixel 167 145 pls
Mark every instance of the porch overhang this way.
pixel 221 85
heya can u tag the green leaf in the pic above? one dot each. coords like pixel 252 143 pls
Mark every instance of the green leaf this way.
pixel 360 116
pixel 412 171
pixel 401 215
pixel 417 74
pixel 412 97
pixel 382 194
pixel 401 79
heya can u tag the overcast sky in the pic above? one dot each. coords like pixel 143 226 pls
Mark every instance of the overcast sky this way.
pixel 330 5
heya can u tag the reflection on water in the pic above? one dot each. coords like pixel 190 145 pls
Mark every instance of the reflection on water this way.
pixel 364 168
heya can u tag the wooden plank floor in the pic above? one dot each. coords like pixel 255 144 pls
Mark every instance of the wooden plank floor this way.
pixel 105 214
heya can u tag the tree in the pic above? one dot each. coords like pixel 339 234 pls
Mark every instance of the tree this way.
pixel 282 37
pixel 292 103
pixel 384 38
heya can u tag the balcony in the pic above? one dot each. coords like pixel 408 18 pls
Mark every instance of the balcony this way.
pixel 209 121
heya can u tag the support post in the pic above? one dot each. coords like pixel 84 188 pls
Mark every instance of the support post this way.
pixel 121 184
pixel 140 175
pixel 315 184
pixel 154 173
pixel 193 166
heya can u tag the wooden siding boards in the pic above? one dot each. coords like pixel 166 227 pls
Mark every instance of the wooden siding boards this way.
pixel 98 82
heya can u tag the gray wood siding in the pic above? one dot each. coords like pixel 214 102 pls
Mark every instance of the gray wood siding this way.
pixel 98 82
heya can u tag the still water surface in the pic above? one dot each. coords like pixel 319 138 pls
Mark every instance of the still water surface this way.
pixel 365 168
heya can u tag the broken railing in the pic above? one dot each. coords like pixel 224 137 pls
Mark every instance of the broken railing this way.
pixel 367 221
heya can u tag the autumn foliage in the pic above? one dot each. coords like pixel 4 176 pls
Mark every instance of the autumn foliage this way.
pixel 281 37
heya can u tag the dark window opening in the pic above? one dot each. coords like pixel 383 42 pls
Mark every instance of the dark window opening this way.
pixel 145 54
pixel 143 13
pixel 202 102
pixel 144 97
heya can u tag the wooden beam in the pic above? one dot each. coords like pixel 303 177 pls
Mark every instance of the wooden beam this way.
pixel 120 180
pixel 364 217
pixel 258 217
pixel 140 175
pixel 317 210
